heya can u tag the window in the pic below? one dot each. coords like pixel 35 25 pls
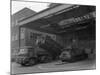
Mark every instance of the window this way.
pixel 53 37
pixel 22 36
pixel 16 37
pixel 30 36
pixel 12 24
pixel 12 38
pixel 22 33
pixel 16 22
pixel 33 35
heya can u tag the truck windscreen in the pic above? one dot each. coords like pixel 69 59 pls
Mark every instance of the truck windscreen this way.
pixel 23 51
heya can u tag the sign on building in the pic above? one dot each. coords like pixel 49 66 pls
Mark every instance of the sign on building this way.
pixel 77 19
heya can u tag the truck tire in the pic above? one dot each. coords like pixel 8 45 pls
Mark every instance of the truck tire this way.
pixel 23 64
pixel 31 62
pixel 75 58
pixel 65 56
pixel 45 59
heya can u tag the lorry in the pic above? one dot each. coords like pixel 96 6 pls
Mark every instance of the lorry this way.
pixel 44 50
pixel 47 50
pixel 73 54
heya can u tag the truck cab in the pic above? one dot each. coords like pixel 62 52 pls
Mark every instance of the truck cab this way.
pixel 26 56
pixel 45 50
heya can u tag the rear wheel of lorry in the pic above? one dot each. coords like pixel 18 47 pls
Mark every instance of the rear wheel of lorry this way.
pixel 66 56
pixel 45 59
pixel 23 64
pixel 30 62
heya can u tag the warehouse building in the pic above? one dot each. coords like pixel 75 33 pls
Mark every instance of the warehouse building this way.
pixel 69 25
pixel 19 34
pixel 25 12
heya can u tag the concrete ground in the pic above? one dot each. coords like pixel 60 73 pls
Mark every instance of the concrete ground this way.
pixel 53 66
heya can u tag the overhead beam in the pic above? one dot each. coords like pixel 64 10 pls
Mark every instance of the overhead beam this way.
pixel 44 13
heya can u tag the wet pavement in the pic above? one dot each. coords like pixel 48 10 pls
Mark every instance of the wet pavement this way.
pixel 53 66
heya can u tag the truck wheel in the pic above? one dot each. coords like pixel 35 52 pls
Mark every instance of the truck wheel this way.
pixel 29 63
pixel 22 64
pixel 45 59
pixel 32 61
pixel 69 61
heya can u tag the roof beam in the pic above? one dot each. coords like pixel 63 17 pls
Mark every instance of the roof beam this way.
pixel 45 13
